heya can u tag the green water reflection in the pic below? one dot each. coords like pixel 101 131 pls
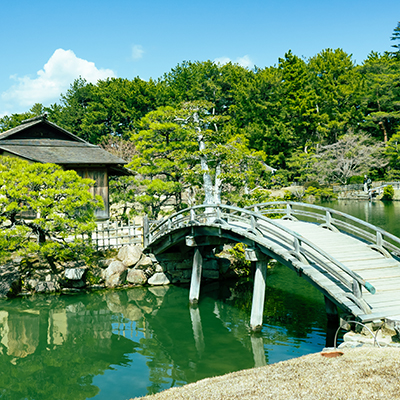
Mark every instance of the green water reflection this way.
pixel 129 343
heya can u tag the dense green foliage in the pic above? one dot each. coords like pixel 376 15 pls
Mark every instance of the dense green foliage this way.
pixel 388 193
pixel 324 119
pixel 43 208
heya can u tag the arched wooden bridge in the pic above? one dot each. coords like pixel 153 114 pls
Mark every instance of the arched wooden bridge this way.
pixel 353 263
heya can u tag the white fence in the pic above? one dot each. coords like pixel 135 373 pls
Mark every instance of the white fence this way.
pixel 116 234
pixel 360 186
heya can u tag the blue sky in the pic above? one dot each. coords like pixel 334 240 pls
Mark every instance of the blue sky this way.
pixel 46 44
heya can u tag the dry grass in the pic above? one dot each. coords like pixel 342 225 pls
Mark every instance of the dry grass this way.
pixel 360 374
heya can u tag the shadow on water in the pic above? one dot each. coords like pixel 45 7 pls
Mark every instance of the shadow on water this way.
pixel 138 341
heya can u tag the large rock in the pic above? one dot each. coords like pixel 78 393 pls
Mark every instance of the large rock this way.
pixel 47 287
pixel 74 274
pixel 10 281
pixel 159 278
pixel 115 274
pixel 144 263
pixel 130 255
pixel 136 276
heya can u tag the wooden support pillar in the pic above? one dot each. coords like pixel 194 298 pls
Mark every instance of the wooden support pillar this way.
pixel 260 278
pixel 194 293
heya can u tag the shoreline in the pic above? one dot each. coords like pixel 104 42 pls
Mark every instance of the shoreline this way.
pixel 360 373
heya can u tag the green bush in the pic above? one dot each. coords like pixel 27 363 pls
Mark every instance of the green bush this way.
pixel 355 179
pixel 320 193
pixel 239 262
pixel 313 184
pixel 388 193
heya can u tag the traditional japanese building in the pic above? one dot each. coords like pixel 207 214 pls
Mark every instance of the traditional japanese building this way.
pixel 39 140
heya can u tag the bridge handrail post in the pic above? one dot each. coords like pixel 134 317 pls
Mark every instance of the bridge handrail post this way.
pixel 146 231
pixel 192 215
pixel 379 239
pixel 357 291
pixel 288 209
pixel 253 222
pixel 297 245
pixel 328 218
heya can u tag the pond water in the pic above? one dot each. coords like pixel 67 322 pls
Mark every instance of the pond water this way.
pixel 133 342
pixel 385 214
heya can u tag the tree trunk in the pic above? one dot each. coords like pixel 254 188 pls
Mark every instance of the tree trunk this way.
pixel 382 125
pixel 217 185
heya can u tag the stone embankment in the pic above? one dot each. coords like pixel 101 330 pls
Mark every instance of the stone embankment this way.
pixel 384 336
pixel 129 267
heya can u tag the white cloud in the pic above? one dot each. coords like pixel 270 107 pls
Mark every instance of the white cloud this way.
pixel 55 78
pixel 137 51
pixel 244 61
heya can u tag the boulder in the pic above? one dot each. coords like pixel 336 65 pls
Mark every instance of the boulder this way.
pixel 115 274
pixel 10 282
pixel 159 268
pixel 144 263
pixel 136 276
pixel 47 287
pixel 130 255
pixel 74 274
pixel 159 278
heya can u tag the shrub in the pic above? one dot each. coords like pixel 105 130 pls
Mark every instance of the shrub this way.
pixel 356 179
pixel 240 264
pixel 388 193
pixel 320 193
pixel 313 184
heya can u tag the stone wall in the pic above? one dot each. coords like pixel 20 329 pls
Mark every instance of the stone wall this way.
pixel 130 267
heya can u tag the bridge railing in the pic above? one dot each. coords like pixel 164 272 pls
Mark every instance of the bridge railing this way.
pixel 378 238
pixel 252 223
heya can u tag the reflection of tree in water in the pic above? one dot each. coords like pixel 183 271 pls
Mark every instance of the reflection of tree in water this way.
pixel 290 302
pixel 42 366
pixel 180 344
pixel 58 344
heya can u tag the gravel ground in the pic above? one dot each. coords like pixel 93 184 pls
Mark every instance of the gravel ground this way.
pixel 360 374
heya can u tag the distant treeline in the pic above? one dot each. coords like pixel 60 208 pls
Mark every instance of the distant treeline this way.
pixel 300 116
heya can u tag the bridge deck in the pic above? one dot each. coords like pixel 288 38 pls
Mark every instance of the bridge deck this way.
pixel 382 272
pixel 346 267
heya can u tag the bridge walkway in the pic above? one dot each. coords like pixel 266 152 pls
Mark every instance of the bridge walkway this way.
pixel 381 271
pixel 354 264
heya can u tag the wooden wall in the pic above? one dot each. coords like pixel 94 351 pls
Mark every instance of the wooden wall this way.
pixel 100 176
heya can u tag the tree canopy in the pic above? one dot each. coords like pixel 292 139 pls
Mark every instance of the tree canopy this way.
pixel 223 127
pixel 43 208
